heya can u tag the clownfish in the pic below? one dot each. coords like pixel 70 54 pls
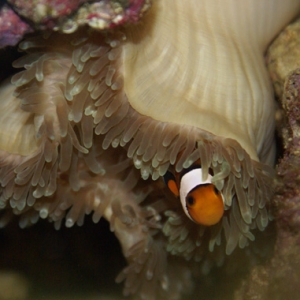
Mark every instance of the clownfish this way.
pixel 201 201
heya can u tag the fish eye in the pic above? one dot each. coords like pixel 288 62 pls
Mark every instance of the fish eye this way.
pixel 190 200
pixel 216 191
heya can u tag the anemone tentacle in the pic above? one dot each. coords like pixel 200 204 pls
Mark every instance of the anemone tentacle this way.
pixel 97 104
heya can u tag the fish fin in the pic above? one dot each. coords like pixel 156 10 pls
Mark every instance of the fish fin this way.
pixel 170 182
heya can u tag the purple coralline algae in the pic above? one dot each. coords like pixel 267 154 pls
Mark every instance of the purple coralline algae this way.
pixel 12 28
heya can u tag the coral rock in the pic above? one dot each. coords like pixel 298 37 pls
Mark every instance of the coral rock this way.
pixel 279 278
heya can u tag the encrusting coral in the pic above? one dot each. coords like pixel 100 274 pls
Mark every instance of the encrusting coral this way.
pixel 18 17
pixel 94 115
pixel 279 277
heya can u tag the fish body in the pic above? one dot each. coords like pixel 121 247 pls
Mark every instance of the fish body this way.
pixel 201 201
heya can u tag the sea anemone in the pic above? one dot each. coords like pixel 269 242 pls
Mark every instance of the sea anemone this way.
pixel 93 116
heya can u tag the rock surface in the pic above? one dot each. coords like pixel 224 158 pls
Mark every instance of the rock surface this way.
pixel 18 17
pixel 279 277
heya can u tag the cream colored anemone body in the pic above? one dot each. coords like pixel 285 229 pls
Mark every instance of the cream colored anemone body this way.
pixel 200 63
pixel 16 137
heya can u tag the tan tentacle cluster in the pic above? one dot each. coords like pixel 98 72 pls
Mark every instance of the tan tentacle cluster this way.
pixel 155 146
pixel 71 96
pixel 91 98
pixel 39 93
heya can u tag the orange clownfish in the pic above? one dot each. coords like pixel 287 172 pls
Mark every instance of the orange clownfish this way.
pixel 201 201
